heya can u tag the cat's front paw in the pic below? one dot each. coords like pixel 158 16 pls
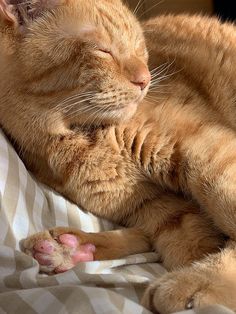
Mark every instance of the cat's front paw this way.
pixel 187 289
pixel 58 252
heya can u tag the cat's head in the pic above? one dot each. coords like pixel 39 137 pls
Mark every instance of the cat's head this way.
pixel 84 58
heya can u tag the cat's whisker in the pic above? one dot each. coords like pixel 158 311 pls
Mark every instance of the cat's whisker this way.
pixel 93 95
pixel 160 74
pixel 163 67
pixel 112 112
pixel 81 94
pixel 99 113
pixel 114 115
pixel 156 82
pixel 64 118
pixel 152 7
pixel 157 77
pixel 159 67
pixel 78 96
pixel 97 116
pixel 69 106
pixel 169 63
pixel 66 109
pixel 138 6
pixel 103 115
pixel 64 115
pixel 94 113
pixel 82 109
pixel 79 110
pixel 66 105
pixel 85 109
pixel 163 77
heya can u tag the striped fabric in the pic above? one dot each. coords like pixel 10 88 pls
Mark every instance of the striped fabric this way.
pixel 107 287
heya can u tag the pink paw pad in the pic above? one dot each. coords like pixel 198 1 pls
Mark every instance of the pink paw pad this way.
pixel 44 246
pixel 85 254
pixel 69 240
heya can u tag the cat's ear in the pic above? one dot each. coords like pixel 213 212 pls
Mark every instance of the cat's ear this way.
pixel 18 13
pixel 6 12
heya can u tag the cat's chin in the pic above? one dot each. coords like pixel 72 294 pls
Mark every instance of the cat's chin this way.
pixel 112 117
pixel 119 115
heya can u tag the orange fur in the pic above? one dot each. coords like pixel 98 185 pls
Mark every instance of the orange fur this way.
pixel 76 77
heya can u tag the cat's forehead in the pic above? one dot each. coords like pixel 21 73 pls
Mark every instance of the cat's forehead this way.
pixel 110 27
pixel 113 25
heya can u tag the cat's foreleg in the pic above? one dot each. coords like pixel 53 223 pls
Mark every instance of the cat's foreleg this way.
pixel 60 249
pixel 209 174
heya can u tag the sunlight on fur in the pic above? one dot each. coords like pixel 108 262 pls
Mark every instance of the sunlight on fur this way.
pixel 147 142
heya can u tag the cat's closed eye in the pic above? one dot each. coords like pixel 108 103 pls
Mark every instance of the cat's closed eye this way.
pixel 104 53
pixel 107 52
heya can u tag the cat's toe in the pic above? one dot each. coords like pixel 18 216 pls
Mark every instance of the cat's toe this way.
pixel 175 292
pixel 190 288
pixel 44 246
pixel 58 254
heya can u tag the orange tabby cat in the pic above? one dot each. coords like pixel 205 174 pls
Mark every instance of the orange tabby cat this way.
pixel 73 78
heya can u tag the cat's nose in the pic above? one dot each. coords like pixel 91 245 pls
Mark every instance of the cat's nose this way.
pixel 142 78
pixel 138 72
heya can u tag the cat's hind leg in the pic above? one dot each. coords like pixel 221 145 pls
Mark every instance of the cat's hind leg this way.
pixel 60 249
pixel 186 240
pixel 183 244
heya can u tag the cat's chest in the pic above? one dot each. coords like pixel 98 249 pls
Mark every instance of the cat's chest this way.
pixel 134 152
